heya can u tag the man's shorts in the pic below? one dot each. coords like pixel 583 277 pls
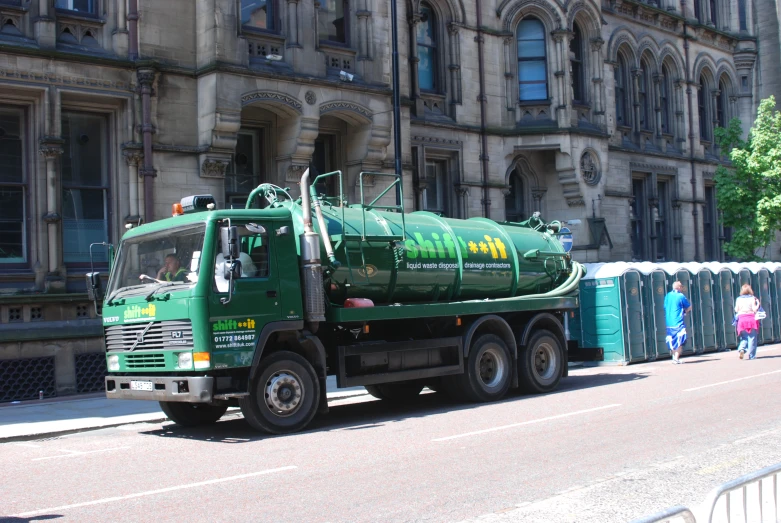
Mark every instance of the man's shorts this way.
pixel 676 337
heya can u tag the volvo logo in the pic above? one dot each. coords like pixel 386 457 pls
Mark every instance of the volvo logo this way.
pixel 140 335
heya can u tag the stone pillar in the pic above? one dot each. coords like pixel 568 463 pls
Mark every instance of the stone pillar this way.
pixel 45 25
pixel 51 149
pixel 454 67
pixel 680 124
pixel 292 24
pixel 413 63
pixel 657 94
pixel 744 63
pixel 563 97
pixel 537 195
pixel 598 97
pixel 146 78
pixel 636 100
pixel 509 77
pixel 134 158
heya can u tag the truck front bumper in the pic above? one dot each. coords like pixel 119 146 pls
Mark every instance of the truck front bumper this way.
pixel 187 389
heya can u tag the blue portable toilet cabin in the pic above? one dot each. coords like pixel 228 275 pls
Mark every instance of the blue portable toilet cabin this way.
pixel 654 291
pixel 760 283
pixel 723 304
pixel 611 312
pixel 675 271
pixel 701 298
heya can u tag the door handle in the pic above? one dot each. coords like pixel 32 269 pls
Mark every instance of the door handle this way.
pixel 271 294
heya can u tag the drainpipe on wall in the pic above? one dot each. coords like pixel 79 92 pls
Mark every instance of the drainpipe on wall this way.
pixel 693 180
pixel 132 28
pixel 482 99
pixel 145 79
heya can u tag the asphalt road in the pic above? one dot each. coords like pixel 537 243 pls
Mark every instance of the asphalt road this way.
pixel 613 444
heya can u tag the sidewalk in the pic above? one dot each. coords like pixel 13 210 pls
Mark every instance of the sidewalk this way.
pixel 38 419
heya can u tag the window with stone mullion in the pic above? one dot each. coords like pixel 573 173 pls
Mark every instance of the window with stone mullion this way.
pixel 79 6
pixel 532 66
pixel 428 49
pixel 664 93
pixel 13 234
pixel 259 14
pixel 623 117
pixel 576 53
pixel 702 108
pixel 334 22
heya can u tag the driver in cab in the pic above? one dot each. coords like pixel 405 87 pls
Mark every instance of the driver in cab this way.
pixel 172 270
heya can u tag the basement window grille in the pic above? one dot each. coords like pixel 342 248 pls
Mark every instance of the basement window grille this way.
pixel 90 371
pixel 23 379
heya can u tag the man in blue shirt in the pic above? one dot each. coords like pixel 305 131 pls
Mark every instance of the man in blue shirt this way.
pixel 675 307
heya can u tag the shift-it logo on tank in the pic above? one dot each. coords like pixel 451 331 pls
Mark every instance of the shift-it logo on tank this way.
pixel 434 253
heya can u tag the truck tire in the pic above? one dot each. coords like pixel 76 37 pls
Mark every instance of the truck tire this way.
pixel 488 372
pixel 396 392
pixel 192 414
pixel 284 394
pixel 540 363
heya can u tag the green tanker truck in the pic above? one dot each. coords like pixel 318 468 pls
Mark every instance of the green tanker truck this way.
pixel 255 307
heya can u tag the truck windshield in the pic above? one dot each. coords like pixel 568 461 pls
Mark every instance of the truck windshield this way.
pixel 171 257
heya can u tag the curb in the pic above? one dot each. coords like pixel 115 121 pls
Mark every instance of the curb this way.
pixel 154 418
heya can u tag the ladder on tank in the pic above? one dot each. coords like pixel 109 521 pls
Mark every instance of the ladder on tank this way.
pixel 355 257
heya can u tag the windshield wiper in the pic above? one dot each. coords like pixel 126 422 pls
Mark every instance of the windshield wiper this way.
pixel 123 289
pixel 160 286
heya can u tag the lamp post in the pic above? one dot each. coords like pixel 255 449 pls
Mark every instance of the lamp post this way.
pixel 396 99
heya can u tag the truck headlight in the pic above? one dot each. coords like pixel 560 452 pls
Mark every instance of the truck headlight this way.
pixel 113 362
pixel 185 360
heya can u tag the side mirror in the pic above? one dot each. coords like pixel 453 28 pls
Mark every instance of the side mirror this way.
pixel 230 242
pixel 94 286
pixel 283 231
pixel 232 270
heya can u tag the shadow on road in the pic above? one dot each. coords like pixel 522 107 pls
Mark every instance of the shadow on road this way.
pixel 29 520
pixel 368 415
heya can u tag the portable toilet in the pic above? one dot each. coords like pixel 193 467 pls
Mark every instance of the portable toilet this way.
pixel 723 305
pixel 701 298
pixel 760 283
pixel 654 291
pixel 741 276
pixel 677 272
pixel 775 293
pixel 611 312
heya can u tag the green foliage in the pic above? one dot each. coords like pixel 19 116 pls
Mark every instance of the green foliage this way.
pixel 749 193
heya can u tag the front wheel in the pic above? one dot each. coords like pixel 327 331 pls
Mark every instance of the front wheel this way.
pixel 192 414
pixel 284 394
pixel 540 364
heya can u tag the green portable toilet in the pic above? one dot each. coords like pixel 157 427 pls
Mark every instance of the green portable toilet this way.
pixel 676 272
pixel 741 276
pixel 760 282
pixel 723 305
pixel 703 320
pixel 654 291
pixel 611 312
pixel 775 293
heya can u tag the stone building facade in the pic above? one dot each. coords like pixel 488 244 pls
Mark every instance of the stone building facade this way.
pixel 598 113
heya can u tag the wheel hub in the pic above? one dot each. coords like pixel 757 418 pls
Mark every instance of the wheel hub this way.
pixel 544 361
pixel 491 367
pixel 284 393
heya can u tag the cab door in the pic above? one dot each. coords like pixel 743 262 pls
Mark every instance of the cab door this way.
pixel 237 319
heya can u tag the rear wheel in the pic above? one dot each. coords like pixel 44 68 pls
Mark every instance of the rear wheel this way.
pixel 541 362
pixel 488 373
pixel 284 394
pixel 397 392
pixel 192 414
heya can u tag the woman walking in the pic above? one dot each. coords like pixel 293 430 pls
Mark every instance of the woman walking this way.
pixel 746 307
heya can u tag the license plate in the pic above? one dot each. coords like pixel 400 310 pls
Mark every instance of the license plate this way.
pixel 141 385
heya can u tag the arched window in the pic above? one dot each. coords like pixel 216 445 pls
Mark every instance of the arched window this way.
pixel 622 112
pixel 576 58
pixel 721 105
pixel 258 14
pixel 643 90
pixel 514 202
pixel 696 7
pixel 702 107
pixel 333 21
pixel 532 70
pixel 427 49
pixel 714 13
pixel 743 24
pixel 664 98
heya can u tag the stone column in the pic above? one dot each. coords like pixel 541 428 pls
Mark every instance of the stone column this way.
pixel 509 77
pixel 292 24
pixel 657 94
pixel 45 25
pixel 364 17
pixel 146 78
pixel 636 100
pixel 414 20
pixel 51 149
pixel 455 65
pixel 537 195
pixel 134 158
pixel 680 127
pixel 598 97
pixel 563 98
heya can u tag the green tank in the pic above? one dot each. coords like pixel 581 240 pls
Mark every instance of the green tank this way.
pixel 422 257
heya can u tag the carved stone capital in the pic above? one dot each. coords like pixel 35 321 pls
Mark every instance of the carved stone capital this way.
pixel 146 77
pixel 147 173
pixel 575 202
pixel 49 151
pixel 133 156
pixel 214 167
pixel 294 172
pixel 452 29
pixel 538 192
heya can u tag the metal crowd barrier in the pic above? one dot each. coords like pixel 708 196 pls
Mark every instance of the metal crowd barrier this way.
pixel 758 502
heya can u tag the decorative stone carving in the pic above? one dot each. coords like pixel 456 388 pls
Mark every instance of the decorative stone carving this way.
pixel 589 168
pixel 52 78
pixel 341 105
pixel 50 150
pixel 294 172
pixel 51 217
pixel 272 96
pixel 133 156
pixel 310 98
pixel 214 167
pixel 146 77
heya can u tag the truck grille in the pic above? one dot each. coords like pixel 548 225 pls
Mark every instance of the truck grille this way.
pixel 137 361
pixel 158 335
